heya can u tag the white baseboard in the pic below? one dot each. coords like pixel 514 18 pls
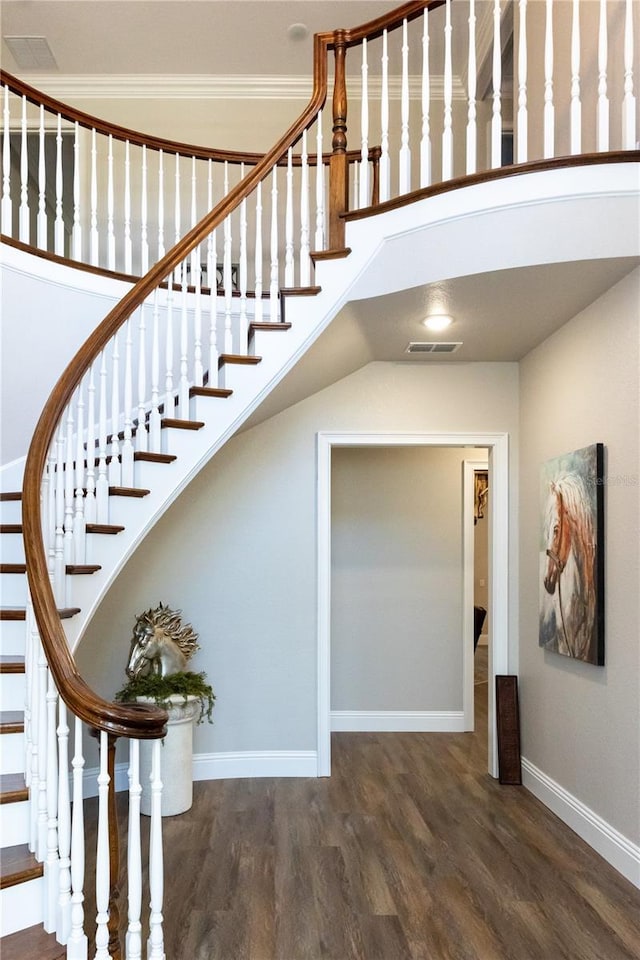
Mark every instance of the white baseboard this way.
pixel 618 850
pixel 397 721
pixel 261 763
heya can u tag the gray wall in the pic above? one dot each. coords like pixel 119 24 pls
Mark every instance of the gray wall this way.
pixel 396 589
pixel 579 722
pixel 237 551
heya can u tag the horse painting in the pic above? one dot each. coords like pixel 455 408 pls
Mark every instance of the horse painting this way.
pixel 571 601
pixel 161 643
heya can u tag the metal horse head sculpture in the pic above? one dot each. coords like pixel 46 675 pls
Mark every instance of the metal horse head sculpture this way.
pixel 161 643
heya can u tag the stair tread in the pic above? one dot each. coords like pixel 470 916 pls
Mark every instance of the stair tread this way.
pixel 32 944
pixel 13 568
pixel 237 358
pixel 145 457
pixel 80 569
pixel 10 528
pixel 11 663
pixel 10 495
pixel 12 613
pixel 338 254
pixel 13 788
pixel 128 492
pixel 300 291
pixel 108 528
pixel 181 424
pixel 11 721
pixel 209 392
pixel 18 865
pixel 270 325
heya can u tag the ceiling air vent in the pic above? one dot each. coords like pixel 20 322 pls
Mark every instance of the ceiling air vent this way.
pixel 31 53
pixel 430 347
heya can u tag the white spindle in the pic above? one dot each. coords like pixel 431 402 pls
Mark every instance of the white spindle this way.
pixel 425 140
pixel 111 237
pixel 133 944
pixel 226 272
pixel 90 512
pixel 63 920
pixel 169 399
pixel 155 945
pixel 58 230
pixel 79 521
pixel 128 248
pixel 243 278
pixel 273 282
pixel 576 107
pixel 405 152
pixel 24 177
pixel 33 773
pixel 183 385
pixel 549 112
pixel 68 489
pixel 144 215
pixel 194 197
pixel 77 944
pixel 258 256
pixel 177 209
pixel 198 370
pixel 305 262
pixel 365 199
pixel 354 189
pixel 471 113
pixel 288 224
pixel 76 235
pixel 102 486
pixel 7 213
pixel 154 416
pixel 30 670
pixel 41 800
pixel 603 100
pixel 522 146
pixel 41 231
pixel 385 168
pixel 52 872
pixel 94 239
pixel 126 472
pixel 161 250
pixel 447 132
pixel 629 101
pixel 114 463
pixel 496 119
pixel 102 855
pixel 319 235
pixel 141 429
pixel 59 547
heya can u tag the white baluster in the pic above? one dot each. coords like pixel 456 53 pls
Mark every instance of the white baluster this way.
pixel 141 429
pixel 244 323
pixel 226 271
pixel 603 101
pixel 43 817
pixel 77 944
pixel 94 239
pixel 471 113
pixel 365 198
pixel 68 489
pixel 258 256
pixel 133 943
pixel 33 774
pixel 385 169
pixel 28 715
pixel 288 224
pixel 319 235
pixel 194 195
pixel 176 210
pixel 111 237
pixel 183 386
pixel 79 521
pixel 51 870
pixel 42 187
pixel 102 486
pixel 90 511
pixel 576 107
pixel 447 132
pixel 24 177
pixel 7 213
pixel 274 279
pixel 425 141
pixel 144 215
pixel 154 416
pixel 305 262
pixel 169 399
pixel 128 248
pixel 198 371
pixel 102 855
pixel 63 918
pixel 496 119
pixel 60 498
pixel 160 205
pixel 114 463
pixel 629 101
pixel 523 120
pixel 355 187
pixel 76 235
pixel 155 945
pixel 58 230
pixel 126 474
pixel 405 152
pixel 549 112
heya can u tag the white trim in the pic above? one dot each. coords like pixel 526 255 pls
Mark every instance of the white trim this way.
pixel 469 468
pixel 397 721
pixel 499 566
pixel 260 763
pixel 618 850
pixel 483 640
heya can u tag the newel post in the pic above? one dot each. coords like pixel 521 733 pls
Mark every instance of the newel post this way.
pixel 338 164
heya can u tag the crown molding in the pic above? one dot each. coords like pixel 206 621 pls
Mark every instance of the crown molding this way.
pixel 205 87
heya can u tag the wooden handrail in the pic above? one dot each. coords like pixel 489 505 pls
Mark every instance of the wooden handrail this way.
pixel 388 21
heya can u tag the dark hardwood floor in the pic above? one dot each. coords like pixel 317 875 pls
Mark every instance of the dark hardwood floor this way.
pixel 410 851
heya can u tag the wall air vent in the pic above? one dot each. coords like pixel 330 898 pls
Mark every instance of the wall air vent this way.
pixel 31 53
pixel 430 347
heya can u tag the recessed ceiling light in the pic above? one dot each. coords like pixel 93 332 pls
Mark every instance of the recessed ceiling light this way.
pixel 437 322
pixel 298 31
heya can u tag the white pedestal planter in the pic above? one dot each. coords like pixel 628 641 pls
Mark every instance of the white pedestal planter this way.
pixel 176 759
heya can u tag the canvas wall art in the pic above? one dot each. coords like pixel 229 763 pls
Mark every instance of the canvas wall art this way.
pixel 572 555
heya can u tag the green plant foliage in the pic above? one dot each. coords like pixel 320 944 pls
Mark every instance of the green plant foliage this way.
pixel 161 689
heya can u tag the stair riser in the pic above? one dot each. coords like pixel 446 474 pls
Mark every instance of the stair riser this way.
pixel 22 906
pixel 13 589
pixel 12 636
pixel 12 687
pixel 14 823
pixel 12 548
pixel 238 377
pixel 10 511
pixel 12 751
